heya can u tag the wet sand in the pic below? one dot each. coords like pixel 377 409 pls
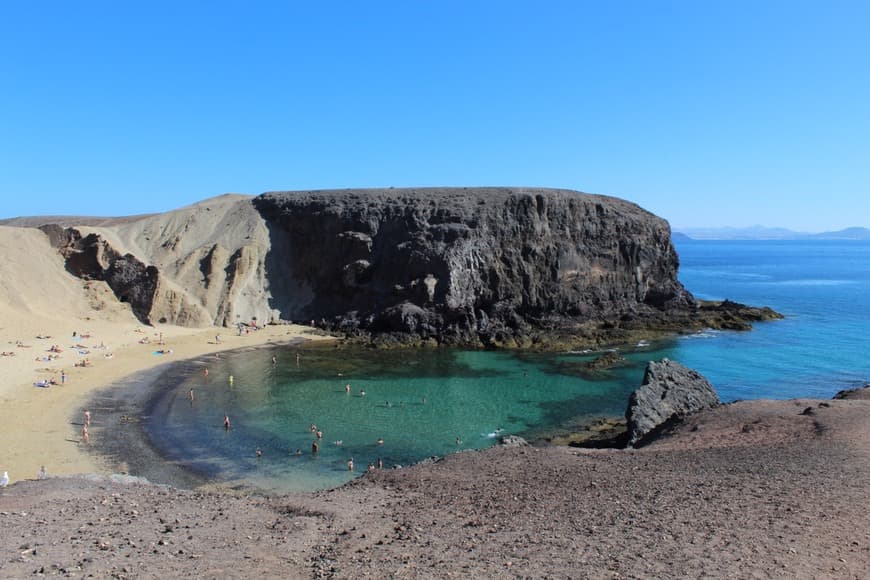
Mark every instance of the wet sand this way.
pixel 121 440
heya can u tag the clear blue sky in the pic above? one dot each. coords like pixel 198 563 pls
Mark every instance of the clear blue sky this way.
pixel 707 113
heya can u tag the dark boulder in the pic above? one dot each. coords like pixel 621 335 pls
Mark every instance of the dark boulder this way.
pixel 669 392
pixel 858 394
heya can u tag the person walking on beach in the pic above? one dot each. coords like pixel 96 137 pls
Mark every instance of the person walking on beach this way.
pixel 226 422
pixel 86 437
pixel 62 377
pixel 87 418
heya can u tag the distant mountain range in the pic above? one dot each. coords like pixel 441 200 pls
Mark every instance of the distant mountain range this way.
pixel 764 233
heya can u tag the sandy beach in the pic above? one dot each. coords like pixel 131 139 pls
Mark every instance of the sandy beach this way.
pixel 38 298
pixel 43 424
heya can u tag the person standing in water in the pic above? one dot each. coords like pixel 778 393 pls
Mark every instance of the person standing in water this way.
pixel 227 423
pixel 190 395
pixel 350 464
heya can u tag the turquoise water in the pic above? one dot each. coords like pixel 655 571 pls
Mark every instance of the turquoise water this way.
pixel 434 402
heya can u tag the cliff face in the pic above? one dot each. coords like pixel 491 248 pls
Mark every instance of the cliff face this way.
pixel 467 265
pixel 200 265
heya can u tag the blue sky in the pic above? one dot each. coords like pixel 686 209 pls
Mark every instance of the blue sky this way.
pixel 706 113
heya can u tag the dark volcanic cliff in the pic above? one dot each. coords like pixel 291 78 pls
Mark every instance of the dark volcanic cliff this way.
pixel 503 267
pixel 489 266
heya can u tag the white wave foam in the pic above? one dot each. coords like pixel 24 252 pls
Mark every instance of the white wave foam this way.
pixel 812 282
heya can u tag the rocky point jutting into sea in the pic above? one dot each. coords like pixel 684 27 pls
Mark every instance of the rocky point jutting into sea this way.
pixel 491 267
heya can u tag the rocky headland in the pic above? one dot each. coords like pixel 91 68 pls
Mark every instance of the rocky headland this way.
pixel 471 267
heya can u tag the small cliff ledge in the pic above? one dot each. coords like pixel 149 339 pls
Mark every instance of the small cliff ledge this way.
pixel 486 266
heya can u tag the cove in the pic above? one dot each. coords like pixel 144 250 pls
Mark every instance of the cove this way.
pixel 819 349
pixel 420 403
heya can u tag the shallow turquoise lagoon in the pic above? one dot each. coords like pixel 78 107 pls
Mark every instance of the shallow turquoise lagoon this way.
pixel 424 403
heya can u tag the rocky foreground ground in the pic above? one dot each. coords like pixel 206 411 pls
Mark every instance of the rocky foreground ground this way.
pixel 753 489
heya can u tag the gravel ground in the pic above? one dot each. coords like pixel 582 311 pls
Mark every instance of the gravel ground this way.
pixel 755 489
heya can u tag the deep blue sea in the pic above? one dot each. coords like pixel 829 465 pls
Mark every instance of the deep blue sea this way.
pixel 429 402
pixel 822 288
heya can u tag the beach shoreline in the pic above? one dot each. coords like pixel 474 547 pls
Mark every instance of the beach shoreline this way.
pixel 43 425
pixel 121 440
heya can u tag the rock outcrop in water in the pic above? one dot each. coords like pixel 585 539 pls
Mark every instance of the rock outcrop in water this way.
pixel 668 393
pixel 502 267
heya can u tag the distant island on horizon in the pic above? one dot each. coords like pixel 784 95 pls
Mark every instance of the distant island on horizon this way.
pixel 766 233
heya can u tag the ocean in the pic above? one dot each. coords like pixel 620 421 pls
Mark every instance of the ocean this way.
pixel 405 406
